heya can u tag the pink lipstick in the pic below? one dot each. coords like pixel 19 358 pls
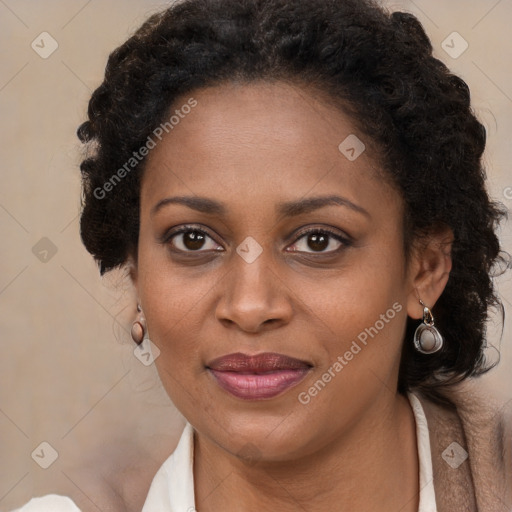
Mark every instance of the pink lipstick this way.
pixel 257 377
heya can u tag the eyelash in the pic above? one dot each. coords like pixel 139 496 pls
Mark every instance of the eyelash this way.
pixel 346 242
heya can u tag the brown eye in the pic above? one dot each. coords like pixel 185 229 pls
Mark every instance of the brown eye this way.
pixel 318 240
pixel 191 239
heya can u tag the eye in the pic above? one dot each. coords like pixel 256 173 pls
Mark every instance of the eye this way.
pixel 319 240
pixel 191 239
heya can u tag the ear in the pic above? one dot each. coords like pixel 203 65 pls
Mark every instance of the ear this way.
pixel 131 270
pixel 429 269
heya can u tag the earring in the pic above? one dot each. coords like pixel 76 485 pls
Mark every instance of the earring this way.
pixel 138 328
pixel 427 339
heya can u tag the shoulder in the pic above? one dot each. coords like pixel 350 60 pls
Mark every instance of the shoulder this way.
pixel 471 408
pixel 49 503
pixel 484 419
pixel 471 443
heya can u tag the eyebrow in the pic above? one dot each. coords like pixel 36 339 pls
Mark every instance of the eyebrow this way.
pixel 285 209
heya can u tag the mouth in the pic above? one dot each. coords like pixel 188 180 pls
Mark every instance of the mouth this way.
pixel 257 377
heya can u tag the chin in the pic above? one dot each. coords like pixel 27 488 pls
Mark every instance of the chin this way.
pixel 261 435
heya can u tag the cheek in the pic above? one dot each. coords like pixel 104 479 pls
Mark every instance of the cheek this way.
pixel 171 298
pixel 363 312
pixel 363 318
pixel 355 297
pixel 172 304
pixel 364 322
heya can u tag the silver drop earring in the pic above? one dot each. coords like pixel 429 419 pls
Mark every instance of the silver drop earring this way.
pixel 427 339
pixel 138 329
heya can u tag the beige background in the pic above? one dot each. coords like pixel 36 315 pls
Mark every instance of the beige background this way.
pixel 68 375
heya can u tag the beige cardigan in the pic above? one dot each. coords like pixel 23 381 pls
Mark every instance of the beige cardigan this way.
pixel 483 428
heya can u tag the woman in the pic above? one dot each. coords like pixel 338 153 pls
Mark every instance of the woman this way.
pixel 297 192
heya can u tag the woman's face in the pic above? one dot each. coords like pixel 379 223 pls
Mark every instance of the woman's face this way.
pixel 257 283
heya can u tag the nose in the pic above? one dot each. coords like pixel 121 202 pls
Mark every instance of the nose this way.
pixel 254 298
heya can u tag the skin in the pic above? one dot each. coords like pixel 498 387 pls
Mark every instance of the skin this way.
pixel 353 446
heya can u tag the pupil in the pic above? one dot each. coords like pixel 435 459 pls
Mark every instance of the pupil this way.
pixel 193 240
pixel 318 241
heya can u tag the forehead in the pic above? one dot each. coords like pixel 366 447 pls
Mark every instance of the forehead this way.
pixel 264 141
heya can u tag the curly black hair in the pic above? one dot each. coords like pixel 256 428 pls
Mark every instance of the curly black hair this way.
pixel 379 66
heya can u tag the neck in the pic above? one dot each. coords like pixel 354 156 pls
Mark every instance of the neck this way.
pixel 374 466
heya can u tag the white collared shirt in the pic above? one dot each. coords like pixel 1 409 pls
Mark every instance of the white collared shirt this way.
pixel 172 488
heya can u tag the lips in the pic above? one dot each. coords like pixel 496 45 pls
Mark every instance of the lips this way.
pixel 260 376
